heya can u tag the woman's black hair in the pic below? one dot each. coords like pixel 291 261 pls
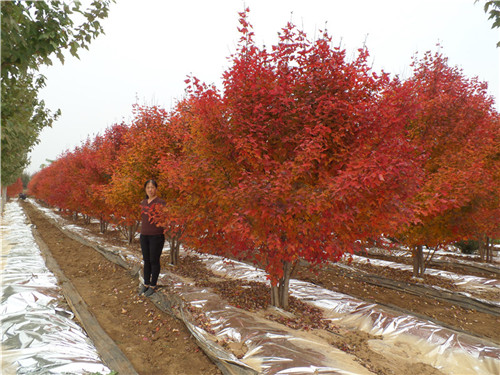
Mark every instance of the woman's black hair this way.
pixel 146 184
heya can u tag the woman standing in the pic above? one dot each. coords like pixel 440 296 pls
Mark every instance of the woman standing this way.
pixel 152 239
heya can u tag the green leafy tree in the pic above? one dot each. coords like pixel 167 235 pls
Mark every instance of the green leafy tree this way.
pixel 33 32
pixel 23 117
pixel 493 9
pixel 25 178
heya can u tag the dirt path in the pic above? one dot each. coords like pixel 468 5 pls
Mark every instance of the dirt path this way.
pixel 155 342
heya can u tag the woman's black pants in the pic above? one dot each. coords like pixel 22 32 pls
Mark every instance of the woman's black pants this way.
pixel 151 247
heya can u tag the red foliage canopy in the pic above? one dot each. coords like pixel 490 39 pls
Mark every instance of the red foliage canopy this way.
pixel 300 157
pixel 16 188
pixel 454 124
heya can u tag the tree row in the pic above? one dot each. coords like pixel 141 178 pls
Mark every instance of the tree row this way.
pixel 303 154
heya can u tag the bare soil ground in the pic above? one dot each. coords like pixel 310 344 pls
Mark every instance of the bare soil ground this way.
pixel 157 343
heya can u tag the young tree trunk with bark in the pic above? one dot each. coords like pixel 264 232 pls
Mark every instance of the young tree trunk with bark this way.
pixel 129 231
pixel 103 225
pixel 4 198
pixel 174 249
pixel 482 247
pixel 489 251
pixel 485 249
pixel 280 292
pixel 418 261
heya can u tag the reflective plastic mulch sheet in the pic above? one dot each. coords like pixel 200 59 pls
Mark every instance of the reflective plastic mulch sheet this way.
pixel 467 282
pixel 38 335
pixel 402 335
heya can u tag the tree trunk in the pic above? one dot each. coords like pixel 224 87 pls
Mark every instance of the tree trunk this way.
pixel 280 292
pixel 129 231
pixel 103 226
pixel 418 261
pixel 174 250
pixel 4 198
pixel 489 251
pixel 483 247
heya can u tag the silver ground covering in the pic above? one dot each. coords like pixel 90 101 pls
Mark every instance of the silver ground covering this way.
pixel 38 333
pixel 403 336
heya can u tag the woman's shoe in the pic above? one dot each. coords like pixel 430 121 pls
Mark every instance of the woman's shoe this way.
pixel 144 289
pixel 149 292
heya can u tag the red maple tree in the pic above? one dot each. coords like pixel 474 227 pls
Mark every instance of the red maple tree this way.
pixel 15 189
pixel 137 162
pixel 456 128
pixel 299 158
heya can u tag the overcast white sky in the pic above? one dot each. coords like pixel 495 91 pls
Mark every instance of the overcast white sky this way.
pixel 150 46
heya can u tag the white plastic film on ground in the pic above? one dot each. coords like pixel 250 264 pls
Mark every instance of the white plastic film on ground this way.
pixel 441 254
pixel 403 335
pixel 38 335
pixel 473 282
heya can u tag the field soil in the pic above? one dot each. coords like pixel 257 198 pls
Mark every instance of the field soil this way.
pixel 157 343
